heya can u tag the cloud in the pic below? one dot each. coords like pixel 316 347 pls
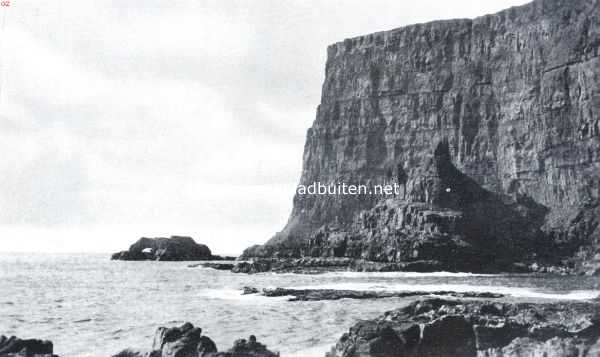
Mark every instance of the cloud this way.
pixel 120 119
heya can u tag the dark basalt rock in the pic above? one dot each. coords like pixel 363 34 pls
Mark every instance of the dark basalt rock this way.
pixel 188 341
pixel 175 248
pixel 248 348
pixel 16 347
pixel 332 294
pixel 316 265
pixel 489 126
pixel 438 327
pixel 249 290
pixel 216 266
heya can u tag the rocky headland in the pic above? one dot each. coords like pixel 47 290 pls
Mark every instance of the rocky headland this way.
pixel 175 248
pixel 477 328
pixel 188 341
pixel 489 126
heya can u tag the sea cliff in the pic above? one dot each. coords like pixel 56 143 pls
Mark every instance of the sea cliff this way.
pixel 491 128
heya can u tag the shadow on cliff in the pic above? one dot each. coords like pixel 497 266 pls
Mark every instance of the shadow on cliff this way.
pixel 450 220
pixel 502 229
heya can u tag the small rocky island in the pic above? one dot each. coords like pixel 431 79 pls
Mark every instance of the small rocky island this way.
pixel 175 248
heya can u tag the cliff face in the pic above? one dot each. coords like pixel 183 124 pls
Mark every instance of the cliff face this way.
pixel 491 126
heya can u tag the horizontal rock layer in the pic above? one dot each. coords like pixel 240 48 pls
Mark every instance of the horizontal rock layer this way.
pixel 491 128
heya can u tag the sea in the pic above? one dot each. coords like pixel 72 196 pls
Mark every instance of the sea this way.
pixel 91 306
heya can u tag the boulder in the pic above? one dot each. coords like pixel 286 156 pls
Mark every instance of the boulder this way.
pixel 16 347
pixel 188 341
pixel 249 348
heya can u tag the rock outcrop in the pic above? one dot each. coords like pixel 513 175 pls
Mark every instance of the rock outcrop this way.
pixel 489 126
pixel 188 341
pixel 16 347
pixel 437 327
pixel 333 294
pixel 175 248
pixel 317 265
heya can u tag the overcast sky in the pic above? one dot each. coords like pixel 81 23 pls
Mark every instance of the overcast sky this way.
pixel 123 118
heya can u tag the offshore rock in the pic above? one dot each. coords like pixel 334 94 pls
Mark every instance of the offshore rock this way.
pixel 489 126
pixel 333 294
pixel 437 327
pixel 16 347
pixel 176 248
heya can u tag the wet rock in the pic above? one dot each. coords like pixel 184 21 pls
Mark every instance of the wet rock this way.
pixel 177 341
pixel 332 294
pixel 248 348
pixel 439 327
pixel 317 265
pixel 188 341
pixel 16 347
pixel 137 353
pixel 249 290
pixel 175 248
pixel 216 266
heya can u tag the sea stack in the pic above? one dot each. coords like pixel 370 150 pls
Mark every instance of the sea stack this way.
pixel 176 248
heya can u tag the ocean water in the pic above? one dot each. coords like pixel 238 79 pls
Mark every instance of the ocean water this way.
pixel 91 306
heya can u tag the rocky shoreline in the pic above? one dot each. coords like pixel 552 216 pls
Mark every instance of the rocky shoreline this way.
pixel 188 341
pixel 467 325
pixel 317 265
pixel 481 328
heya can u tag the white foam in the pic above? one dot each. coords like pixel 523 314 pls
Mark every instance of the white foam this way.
pixel 401 274
pixel 236 295
pixel 316 351
pixel 460 288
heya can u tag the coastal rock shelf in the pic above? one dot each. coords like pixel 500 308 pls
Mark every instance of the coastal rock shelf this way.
pixel 438 327
pixel 489 126
pixel 188 341
pixel 176 248
pixel 333 294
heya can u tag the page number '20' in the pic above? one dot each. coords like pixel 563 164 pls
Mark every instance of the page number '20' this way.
pixel 5 3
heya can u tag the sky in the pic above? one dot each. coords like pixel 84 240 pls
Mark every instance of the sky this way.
pixel 121 119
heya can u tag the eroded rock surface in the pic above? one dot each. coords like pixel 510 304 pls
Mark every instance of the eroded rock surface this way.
pixel 452 328
pixel 491 128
